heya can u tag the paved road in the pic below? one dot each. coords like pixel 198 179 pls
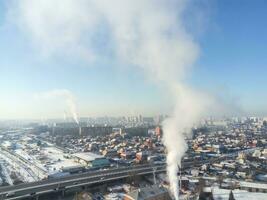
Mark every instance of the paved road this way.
pixel 40 187
pixel 46 186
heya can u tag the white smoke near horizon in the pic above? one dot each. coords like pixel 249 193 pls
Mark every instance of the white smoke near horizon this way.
pixel 66 96
pixel 149 34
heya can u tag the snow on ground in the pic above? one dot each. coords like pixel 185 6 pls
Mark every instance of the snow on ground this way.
pixel 33 160
pixel 30 167
pixel 57 159
pixel 6 174
pixel 253 185
pixel 29 163
pixel 223 194
pixel 23 173
pixel 54 159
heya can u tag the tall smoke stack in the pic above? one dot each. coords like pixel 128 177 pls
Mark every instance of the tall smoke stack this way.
pixel 80 130
pixel 53 128
pixel 64 95
pixel 65 116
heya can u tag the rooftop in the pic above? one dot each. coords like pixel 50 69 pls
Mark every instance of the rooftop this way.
pixel 87 156
pixel 253 185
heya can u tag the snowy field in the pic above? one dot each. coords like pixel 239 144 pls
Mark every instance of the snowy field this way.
pixel 57 159
pixel 22 171
pixel 31 162
pixel 50 159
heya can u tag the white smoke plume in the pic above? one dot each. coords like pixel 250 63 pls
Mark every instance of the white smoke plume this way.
pixel 149 34
pixel 188 110
pixel 64 94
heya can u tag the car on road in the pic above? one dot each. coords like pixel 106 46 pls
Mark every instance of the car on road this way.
pixel 10 194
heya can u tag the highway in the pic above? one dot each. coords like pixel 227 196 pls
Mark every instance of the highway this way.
pixel 31 189
pixel 25 190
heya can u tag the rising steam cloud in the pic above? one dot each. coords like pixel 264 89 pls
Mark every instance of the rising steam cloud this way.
pixel 66 96
pixel 188 110
pixel 149 34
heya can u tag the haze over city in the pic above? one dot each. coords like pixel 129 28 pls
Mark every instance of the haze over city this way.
pixel 133 100
pixel 66 48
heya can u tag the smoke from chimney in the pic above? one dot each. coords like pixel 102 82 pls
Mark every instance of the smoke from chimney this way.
pixel 67 96
pixel 80 130
pixel 148 34
pixel 188 110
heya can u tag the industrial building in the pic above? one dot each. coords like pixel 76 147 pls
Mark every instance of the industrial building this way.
pixel 91 159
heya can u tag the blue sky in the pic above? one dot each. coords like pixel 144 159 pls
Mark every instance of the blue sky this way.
pixel 233 52
pixel 232 63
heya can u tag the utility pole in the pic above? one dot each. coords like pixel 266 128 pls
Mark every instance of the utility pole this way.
pixel 180 178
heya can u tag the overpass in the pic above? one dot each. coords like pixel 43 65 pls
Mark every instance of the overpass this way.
pixel 35 189
pixel 25 190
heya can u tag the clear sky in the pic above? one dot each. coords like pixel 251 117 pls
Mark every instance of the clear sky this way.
pixel 233 53
pixel 232 38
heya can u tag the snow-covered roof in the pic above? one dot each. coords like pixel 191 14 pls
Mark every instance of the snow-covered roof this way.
pixel 253 185
pixel 87 156
pixel 223 194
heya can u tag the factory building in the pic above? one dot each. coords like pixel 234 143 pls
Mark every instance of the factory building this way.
pixel 91 159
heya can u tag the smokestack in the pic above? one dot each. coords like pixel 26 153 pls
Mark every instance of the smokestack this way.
pixel 65 116
pixel 53 128
pixel 65 95
pixel 80 130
